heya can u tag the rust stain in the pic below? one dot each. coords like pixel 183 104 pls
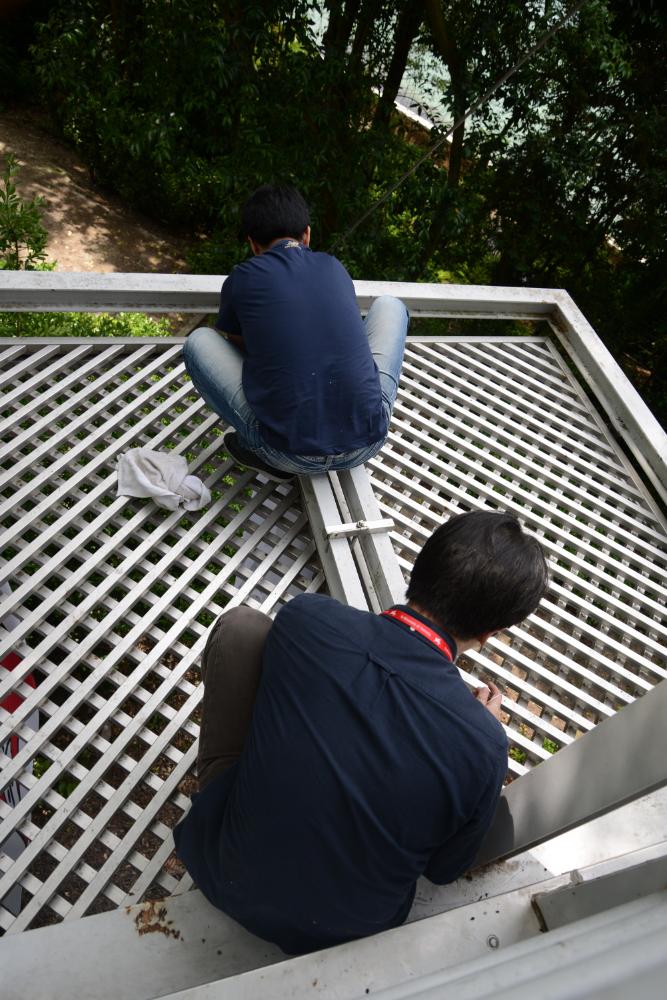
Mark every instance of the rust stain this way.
pixel 152 919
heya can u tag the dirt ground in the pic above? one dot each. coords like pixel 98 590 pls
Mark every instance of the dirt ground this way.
pixel 89 230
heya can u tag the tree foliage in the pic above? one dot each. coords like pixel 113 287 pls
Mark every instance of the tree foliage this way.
pixel 23 241
pixel 22 235
pixel 559 180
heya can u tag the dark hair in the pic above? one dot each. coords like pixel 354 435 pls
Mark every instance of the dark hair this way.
pixel 477 573
pixel 272 211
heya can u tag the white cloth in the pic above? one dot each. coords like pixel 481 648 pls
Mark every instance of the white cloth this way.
pixel 162 475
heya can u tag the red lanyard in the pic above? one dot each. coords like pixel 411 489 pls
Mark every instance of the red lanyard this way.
pixel 417 626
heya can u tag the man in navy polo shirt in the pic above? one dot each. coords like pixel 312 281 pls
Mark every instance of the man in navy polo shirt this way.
pixel 342 756
pixel 305 383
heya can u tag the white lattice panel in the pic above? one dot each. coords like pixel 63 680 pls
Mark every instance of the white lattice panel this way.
pixel 113 598
pixel 486 423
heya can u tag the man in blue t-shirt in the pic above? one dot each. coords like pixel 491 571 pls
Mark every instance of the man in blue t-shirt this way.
pixel 305 383
pixel 341 755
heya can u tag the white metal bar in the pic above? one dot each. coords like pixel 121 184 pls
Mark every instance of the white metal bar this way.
pixel 627 410
pixel 60 291
pixel 459 500
pixel 15 348
pixel 117 798
pixel 609 766
pixel 98 633
pixel 385 574
pixel 89 529
pixel 82 424
pixel 504 387
pixel 86 389
pixel 41 375
pixel 334 553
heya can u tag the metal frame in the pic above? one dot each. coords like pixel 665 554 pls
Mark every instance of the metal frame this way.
pixel 620 760
pixel 353 540
pixel 500 934
pixel 361 564
pixel 632 419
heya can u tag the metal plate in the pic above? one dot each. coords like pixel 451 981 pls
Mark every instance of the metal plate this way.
pixel 502 424
pixel 113 598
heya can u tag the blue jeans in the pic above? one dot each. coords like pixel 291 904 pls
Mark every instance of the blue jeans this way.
pixel 216 366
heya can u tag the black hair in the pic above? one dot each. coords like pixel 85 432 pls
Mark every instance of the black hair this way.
pixel 477 573
pixel 272 211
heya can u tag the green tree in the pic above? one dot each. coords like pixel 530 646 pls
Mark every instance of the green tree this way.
pixel 23 238
pixel 559 180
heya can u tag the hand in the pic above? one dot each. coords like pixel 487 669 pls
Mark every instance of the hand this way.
pixel 490 696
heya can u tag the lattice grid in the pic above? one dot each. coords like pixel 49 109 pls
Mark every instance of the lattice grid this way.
pixel 114 596
pixel 113 599
pixel 486 423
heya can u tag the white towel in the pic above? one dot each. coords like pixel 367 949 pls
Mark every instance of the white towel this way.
pixel 162 475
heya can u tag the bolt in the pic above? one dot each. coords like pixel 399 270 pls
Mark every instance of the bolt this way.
pixel 493 941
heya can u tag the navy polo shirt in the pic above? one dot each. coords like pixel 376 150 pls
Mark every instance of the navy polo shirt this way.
pixel 368 763
pixel 308 371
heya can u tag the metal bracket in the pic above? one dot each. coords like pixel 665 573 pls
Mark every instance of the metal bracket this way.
pixel 363 527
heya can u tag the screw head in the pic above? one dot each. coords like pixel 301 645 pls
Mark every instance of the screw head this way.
pixel 493 941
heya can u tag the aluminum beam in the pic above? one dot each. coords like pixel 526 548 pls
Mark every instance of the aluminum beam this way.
pixel 629 414
pixel 562 906
pixel 58 291
pixel 335 552
pixel 376 547
pixel 620 760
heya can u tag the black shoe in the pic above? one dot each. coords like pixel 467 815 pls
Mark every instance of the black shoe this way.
pixel 243 456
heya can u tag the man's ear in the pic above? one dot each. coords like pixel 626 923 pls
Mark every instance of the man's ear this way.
pixel 305 239
pixel 255 247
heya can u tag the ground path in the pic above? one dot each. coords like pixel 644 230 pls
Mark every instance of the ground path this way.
pixel 89 229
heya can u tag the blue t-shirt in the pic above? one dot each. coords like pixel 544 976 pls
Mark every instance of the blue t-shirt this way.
pixel 367 764
pixel 308 371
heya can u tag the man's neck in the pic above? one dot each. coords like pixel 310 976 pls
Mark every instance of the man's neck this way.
pixel 258 250
pixel 461 644
pixel 280 239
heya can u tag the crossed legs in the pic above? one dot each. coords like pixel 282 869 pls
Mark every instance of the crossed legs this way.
pixel 216 368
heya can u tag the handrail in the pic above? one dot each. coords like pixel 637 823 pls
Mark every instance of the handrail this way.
pixel 66 291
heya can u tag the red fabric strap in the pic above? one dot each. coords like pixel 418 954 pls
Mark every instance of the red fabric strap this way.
pixel 417 626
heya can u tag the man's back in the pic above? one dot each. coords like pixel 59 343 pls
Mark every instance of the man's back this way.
pixel 308 371
pixel 367 763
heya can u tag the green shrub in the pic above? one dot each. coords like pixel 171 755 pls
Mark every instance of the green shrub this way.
pixel 82 325
pixel 23 238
